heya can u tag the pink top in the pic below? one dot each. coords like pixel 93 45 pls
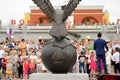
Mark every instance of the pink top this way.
pixel 25 65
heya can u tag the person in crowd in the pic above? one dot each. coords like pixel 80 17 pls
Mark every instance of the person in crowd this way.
pixel 38 53
pixel 4 62
pixel 34 58
pixel 31 68
pixel 23 45
pixel 3 44
pixel 9 45
pixel 108 58
pixel 9 69
pixel 20 67
pixel 1 55
pixel 40 42
pixel 31 49
pixel 39 64
pixel 87 54
pixel 90 44
pixel 99 46
pixel 116 60
pixel 14 59
pixel 16 46
pixel 25 68
pixel 82 62
pixel 93 65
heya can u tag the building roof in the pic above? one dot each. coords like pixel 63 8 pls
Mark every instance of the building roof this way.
pixel 90 7
pixel 78 7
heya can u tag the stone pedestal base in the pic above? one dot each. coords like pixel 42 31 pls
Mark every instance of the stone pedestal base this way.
pixel 49 76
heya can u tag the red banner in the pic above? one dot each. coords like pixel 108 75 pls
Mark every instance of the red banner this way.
pixel 13 21
pixel 21 22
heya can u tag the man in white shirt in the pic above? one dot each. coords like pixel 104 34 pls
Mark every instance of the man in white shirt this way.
pixel 116 59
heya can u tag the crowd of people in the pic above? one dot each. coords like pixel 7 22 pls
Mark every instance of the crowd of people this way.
pixel 19 59
pixel 98 56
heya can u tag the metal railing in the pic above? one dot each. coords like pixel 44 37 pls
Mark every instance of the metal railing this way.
pixel 74 27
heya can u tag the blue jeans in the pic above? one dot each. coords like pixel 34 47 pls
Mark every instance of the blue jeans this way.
pixel 82 65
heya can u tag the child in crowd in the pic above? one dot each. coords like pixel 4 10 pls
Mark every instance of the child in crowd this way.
pixel 39 64
pixel 82 62
pixel 9 69
pixel 93 65
pixel 25 68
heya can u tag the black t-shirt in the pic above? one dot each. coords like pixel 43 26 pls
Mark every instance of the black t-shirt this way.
pixel 82 58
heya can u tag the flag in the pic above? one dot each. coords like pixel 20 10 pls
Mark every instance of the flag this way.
pixel 117 30
pixel 10 32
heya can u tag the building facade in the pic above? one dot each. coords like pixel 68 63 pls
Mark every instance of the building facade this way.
pixel 87 14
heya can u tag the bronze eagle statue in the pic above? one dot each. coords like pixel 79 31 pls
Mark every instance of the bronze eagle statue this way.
pixel 58 16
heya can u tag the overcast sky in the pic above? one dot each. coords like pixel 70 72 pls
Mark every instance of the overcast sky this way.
pixel 15 9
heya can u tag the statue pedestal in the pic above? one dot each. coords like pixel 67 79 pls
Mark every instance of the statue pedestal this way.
pixel 49 76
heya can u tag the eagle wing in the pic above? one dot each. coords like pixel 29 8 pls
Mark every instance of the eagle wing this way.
pixel 46 7
pixel 72 4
